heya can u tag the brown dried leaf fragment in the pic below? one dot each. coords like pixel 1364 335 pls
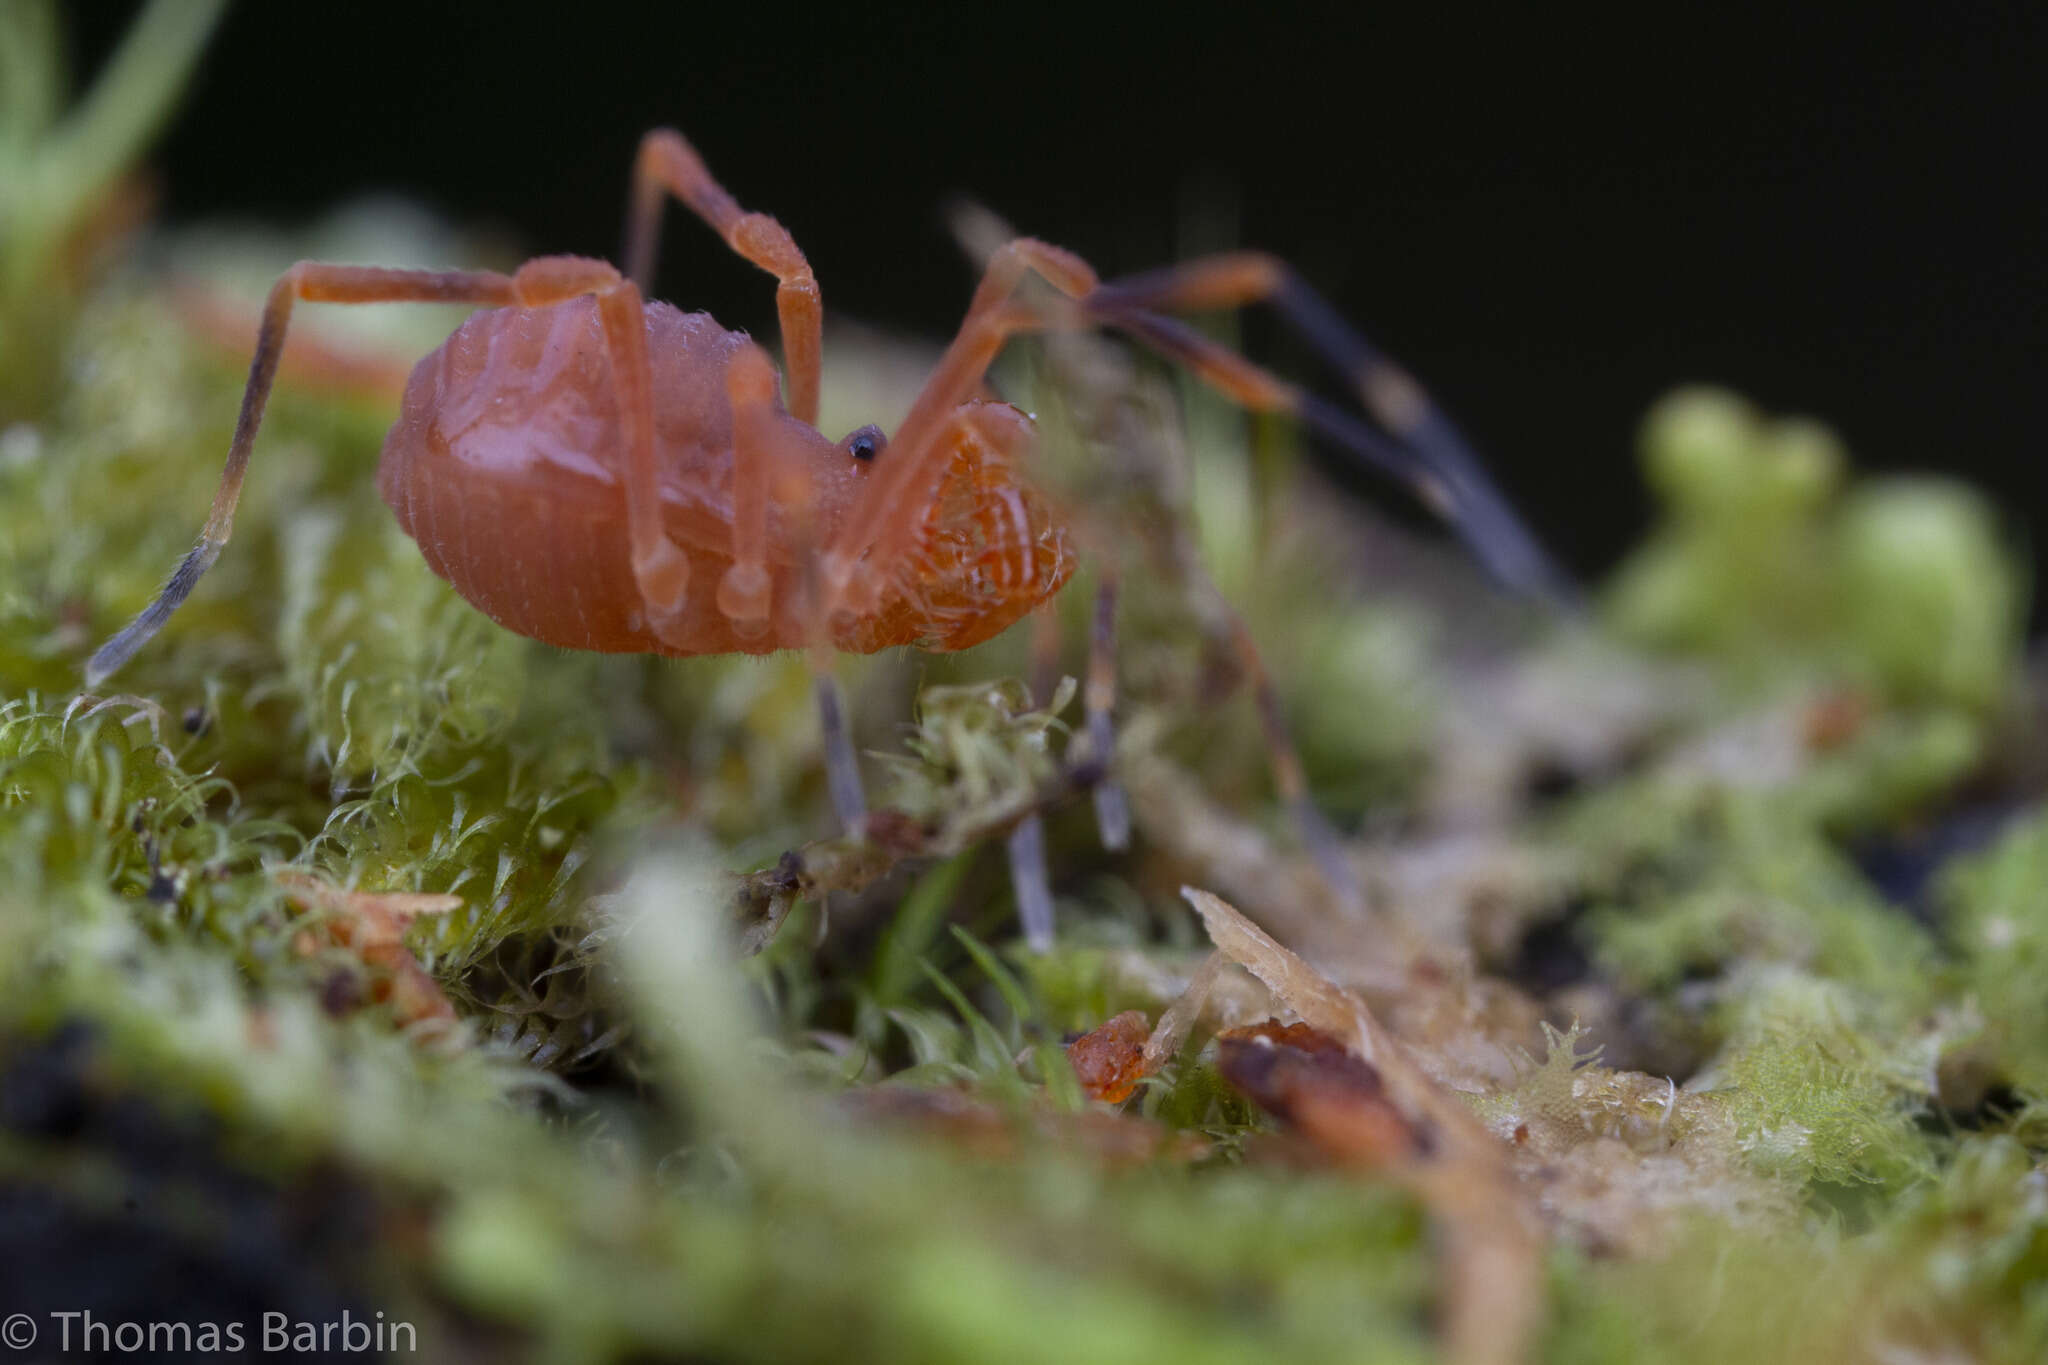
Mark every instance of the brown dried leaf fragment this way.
pixel 1312 1081
pixel 1321 1003
pixel 1493 1299
pixel 1273 1033
pixel 372 924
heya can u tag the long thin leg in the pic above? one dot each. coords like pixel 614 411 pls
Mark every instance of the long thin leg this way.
pixel 1098 700
pixel 661 571
pixel 1257 389
pixel 842 764
pixel 1242 380
pixel 1031 882
pixel 1431 458
pixel 1254 388
pixel 659 565
pixel 1030 879
pixel 761 468
pixel 666 165
pixel 1438 466
pixel 1323 843
pixel 313 282
pixel 1449 475
pixel 1044 651
pixel 745 594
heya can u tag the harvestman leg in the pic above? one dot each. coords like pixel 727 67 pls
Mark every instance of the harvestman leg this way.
pixel 1448 474
pixel 1030 879
pixel 1442 471
pixel 668 165
pixel 1258 390
pixel 1098 703
pixel 916 464
pixel 1250 386
pixel 660 569
pixel 761 467
pixel 1435 460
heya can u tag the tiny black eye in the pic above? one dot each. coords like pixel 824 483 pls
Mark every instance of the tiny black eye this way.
pixel 866 443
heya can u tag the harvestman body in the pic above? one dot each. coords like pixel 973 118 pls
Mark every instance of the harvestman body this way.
pixel 605 473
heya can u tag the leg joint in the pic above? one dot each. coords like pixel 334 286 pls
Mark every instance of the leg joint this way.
pixel 550 279
pixel 767 243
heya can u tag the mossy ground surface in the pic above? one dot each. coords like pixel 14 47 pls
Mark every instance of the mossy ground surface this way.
pixel 1714 823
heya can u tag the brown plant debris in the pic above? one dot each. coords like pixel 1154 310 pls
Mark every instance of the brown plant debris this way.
pixel 372 925
pixel 1312 1081
pixel 1493 1297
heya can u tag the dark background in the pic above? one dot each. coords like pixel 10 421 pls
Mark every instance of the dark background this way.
pixel 1551 220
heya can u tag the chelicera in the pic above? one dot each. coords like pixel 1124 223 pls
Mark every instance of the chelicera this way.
pixel 603 472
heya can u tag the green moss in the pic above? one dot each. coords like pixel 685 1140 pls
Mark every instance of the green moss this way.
pixel 1823 1086
pixel 1956 1266
pixel 1767 895
pixel 1998 925
pixel 1763 1300
pixel 1931 602
pixel 1899 585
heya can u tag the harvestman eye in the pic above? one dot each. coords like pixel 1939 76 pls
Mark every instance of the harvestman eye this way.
pixel 866 443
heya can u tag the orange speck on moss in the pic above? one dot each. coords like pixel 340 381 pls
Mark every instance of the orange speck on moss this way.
pixel 1110 1059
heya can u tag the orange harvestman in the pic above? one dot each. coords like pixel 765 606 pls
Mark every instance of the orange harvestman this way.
pixel 570 408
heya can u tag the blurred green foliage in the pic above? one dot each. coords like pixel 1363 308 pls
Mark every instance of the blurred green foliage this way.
pixel 1762 557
